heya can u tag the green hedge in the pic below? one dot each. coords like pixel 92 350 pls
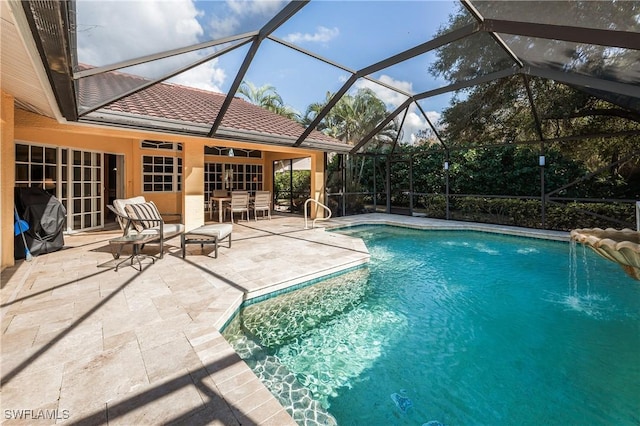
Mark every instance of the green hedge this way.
pixel 570 216
pixel 527 213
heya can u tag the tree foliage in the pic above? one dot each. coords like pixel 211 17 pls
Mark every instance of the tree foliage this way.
pixel 292 186
pixel 353 117
pixel 502 111
pixel 267 97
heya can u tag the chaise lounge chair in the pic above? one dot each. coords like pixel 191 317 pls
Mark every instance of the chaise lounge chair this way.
pixel 136 216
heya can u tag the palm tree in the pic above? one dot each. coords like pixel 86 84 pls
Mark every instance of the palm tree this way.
pixel 287 111
pixel 327 124
pixel 352 118
pixel 267 97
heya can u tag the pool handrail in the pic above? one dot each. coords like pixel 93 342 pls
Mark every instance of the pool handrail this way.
pixel 313 224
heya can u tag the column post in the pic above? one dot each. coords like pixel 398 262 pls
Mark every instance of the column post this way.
pixel 193 184
pixel 8 179
pixel 317 183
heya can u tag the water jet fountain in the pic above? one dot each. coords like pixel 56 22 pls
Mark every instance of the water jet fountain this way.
pixel 620 246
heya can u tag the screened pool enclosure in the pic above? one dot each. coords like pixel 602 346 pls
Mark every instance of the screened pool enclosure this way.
pixel 516 112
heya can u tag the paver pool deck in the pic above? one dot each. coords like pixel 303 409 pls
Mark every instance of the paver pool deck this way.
pixel 83 344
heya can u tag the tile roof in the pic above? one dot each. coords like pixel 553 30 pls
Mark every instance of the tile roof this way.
pixel 186 104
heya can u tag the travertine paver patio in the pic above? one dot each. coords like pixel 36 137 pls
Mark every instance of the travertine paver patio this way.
pixel 87 345
pixel 84 344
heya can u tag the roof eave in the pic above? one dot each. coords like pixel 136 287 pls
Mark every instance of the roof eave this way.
pixel 156 124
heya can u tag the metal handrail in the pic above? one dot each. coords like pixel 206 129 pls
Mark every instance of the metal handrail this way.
pixel 638 216
pixel 313 224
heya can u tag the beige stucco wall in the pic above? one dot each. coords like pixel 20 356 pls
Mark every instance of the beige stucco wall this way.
pixel 317 183
pixel 193 184
pixel 7 179
pixel 23 126
pixel 33 128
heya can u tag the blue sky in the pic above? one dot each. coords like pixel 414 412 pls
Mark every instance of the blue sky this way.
pixel 351 33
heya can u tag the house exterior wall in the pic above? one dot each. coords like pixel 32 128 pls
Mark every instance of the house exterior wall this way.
pixel 7 179
pixel 317 182
pixel 193 184
pixel 20 126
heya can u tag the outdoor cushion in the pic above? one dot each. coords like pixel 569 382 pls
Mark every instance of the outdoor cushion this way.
pixel 207 234
pixel 168 230
pixel 143 211
pixel 119 206
pixel 219 231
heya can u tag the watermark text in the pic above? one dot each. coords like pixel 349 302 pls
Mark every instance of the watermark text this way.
pixel 28 414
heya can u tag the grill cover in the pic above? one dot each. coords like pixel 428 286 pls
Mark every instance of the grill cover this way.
pixel 46 217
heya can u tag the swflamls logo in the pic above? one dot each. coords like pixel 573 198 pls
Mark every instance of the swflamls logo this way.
pixel 28 414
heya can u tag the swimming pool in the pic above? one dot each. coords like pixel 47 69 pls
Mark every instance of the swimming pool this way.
pixel 453 327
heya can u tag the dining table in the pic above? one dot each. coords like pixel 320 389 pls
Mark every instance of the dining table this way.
pixel 221 201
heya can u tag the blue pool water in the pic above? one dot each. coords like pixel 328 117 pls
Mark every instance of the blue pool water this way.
pixel 453 328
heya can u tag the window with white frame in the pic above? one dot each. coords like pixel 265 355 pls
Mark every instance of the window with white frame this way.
pixel 161 173
pixel 167 146
pixel 232 177
pixel 36 166
pixel 224 151
pixel 73 176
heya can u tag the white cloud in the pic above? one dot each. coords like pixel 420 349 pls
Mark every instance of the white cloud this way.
pixel 390 97
pixel 222 27
pixel 414 121
pixel 206 77
pixel 434 117
pixel 260 7
pixel 111 32
pixel 322 35
pixel 412 124
pixel 235 16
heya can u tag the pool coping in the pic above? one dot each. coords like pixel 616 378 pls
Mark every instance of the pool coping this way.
pixel 380 219
pixel 443 225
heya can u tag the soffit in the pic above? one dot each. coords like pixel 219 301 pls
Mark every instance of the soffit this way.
pixel 23 78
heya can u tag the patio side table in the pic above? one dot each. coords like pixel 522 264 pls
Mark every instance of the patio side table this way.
pixel 136 241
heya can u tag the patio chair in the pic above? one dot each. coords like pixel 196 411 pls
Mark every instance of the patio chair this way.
pixel 262 202
pixel 239 204
pixel 136 216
